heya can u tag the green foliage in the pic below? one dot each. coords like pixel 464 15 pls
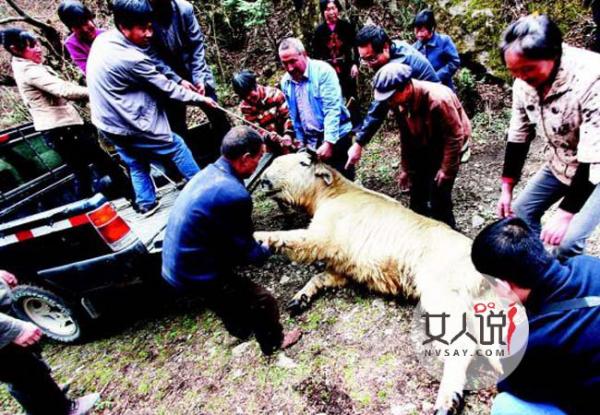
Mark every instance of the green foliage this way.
pixel 404 15
pixel 465 81
pixel 253 13
pixel 477 25
pixel 490 125
pixel 466 89
pixel 224 25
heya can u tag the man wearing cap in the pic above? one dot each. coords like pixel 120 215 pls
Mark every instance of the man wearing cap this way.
pixel 377 49
pixel 433 129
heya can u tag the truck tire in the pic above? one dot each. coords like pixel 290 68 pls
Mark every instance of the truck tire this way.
pixel 56 317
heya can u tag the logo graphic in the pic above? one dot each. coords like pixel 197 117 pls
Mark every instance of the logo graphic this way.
pixel 487 333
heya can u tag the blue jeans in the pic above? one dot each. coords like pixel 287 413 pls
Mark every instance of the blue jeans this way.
pixel 138 156
pixel 507 404
pixel 541 192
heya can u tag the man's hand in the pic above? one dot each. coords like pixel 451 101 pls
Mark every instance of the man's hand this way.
pixel 9 278
pixel 188 85
pixel 504 205
pixel 354 155
pixel 208 102
pixel 440 177
pixel 265 245
pixel 555 230
pixel 30 335
pixel 286 141
pixel 274 137
pixel 403 180
pixel 200 88
pixel 325 151
pixel 354 71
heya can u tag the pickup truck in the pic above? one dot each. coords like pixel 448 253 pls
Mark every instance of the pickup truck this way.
pixel 71 255
pixel 68 253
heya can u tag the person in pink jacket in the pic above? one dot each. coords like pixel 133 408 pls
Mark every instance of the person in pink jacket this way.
pixel 80 22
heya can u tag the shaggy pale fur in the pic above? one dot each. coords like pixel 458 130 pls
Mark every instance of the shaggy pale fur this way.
pixel 372 239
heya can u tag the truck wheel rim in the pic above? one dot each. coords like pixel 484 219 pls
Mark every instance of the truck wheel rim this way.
pixel 49 316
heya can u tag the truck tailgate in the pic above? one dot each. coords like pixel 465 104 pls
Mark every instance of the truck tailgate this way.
pixel 150 229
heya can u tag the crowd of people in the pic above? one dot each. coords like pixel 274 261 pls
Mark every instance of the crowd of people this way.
pixel 141 74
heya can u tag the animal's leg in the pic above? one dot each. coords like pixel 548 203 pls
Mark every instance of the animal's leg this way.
pixel 450 398
pixel 299 244
pixel 454 376
pixel 327 279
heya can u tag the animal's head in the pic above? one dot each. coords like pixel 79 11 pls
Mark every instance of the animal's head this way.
pixel 300 179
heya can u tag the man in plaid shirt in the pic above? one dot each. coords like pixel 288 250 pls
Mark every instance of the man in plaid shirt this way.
pixel 265 106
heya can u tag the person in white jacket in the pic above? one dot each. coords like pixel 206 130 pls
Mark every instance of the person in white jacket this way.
pixel 47 98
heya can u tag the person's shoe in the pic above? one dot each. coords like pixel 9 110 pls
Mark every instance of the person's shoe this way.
pixel 291 338
pixel 465 155
pixel 83 405
pixel 149 210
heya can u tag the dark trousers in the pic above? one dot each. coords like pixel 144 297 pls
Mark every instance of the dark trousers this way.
pixel 78 150
pixel 29 381
pixel 350 91
pixel 176 113
pixel 245 308
pixel 426 197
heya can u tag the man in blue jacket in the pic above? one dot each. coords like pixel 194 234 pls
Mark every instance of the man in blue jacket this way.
pixel 210 231
pixel 376 49
pixel 312 91
pixel 560 370
pixel 437 47
pixel 179 43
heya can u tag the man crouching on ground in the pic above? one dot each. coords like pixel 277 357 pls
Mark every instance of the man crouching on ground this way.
pixel 559 373
pixel 210 231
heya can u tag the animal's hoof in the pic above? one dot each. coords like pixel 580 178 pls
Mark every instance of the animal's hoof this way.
pixel 298 306
pixel 458 402
pixel 261 236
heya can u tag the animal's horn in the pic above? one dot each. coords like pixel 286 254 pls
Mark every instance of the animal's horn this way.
pixel 312 154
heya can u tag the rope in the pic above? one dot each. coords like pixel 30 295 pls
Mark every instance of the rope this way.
pixel 236 116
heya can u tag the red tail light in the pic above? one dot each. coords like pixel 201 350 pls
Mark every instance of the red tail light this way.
pixel 102 215
pixel 111 227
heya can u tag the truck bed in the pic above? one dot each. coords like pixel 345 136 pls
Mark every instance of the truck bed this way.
pixel 150 229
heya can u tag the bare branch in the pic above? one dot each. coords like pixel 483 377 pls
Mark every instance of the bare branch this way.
pixel 27 18
pixel 12 20
pixel 17 8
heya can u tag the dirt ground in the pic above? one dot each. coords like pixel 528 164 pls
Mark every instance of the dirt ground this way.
pixel 355 356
